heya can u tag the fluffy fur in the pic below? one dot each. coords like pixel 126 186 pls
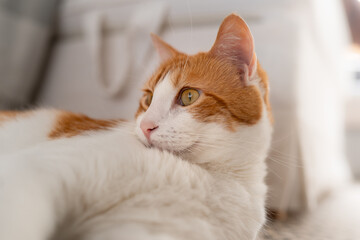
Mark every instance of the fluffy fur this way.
pixel 198 175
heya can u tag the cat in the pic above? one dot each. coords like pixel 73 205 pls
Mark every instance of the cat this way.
pixel 191 166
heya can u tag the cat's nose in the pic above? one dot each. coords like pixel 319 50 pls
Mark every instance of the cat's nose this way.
pixel 148 127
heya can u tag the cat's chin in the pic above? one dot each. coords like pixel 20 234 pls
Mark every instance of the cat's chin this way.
pixel 179 150
pixel 176 151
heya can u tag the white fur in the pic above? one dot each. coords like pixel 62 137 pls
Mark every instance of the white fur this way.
pixel 27 130
pixel 108 185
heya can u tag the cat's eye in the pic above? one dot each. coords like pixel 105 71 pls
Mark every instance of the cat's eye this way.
pixel 148 99
pixel 189 96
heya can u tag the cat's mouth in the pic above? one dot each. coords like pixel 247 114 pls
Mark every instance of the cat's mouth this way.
pixel 173 149
pixel 178 148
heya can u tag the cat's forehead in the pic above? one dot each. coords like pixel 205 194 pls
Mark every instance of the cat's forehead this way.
pixel 198 71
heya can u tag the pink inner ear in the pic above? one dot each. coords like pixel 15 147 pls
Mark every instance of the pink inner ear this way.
pixel 235 43
pixel 164 50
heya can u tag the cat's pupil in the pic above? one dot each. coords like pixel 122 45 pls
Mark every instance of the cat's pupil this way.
pixel 190 95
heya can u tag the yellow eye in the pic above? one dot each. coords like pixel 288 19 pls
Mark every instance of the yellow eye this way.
pixel 148 99
pixel 189 96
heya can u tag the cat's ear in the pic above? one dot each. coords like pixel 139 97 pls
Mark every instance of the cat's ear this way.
pixel 234 42
pixel 164 50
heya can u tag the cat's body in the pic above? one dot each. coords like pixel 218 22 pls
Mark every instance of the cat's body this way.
pixel 196 173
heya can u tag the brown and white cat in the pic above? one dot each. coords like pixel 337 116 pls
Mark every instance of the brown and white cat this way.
pixel 190 167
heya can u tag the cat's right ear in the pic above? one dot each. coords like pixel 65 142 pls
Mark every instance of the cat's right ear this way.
pixel 164 50
pixel 235 43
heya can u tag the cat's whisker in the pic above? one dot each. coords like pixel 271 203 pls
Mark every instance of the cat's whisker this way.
pixel 277 156
pixel 286 163
pixel 271 170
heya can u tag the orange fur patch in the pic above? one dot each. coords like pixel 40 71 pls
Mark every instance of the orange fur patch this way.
pixel 71 124
pixel 159 74
pixel 224 98
pixel 11 115
pixel 265 85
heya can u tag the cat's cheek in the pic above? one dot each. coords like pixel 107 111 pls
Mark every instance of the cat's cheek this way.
pixel 177 133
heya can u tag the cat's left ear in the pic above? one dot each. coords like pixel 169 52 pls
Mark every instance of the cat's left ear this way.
pixel 164 50
pixel 234 42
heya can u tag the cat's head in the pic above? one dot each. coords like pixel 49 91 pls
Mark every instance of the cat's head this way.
pixel 208 104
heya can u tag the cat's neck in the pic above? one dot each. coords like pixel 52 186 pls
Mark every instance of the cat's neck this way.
pixel 235 165
pixel 240 155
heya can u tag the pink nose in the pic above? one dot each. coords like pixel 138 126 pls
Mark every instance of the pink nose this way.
pixel 147 127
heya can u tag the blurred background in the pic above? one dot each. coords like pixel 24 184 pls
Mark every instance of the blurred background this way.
pixel 92 56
